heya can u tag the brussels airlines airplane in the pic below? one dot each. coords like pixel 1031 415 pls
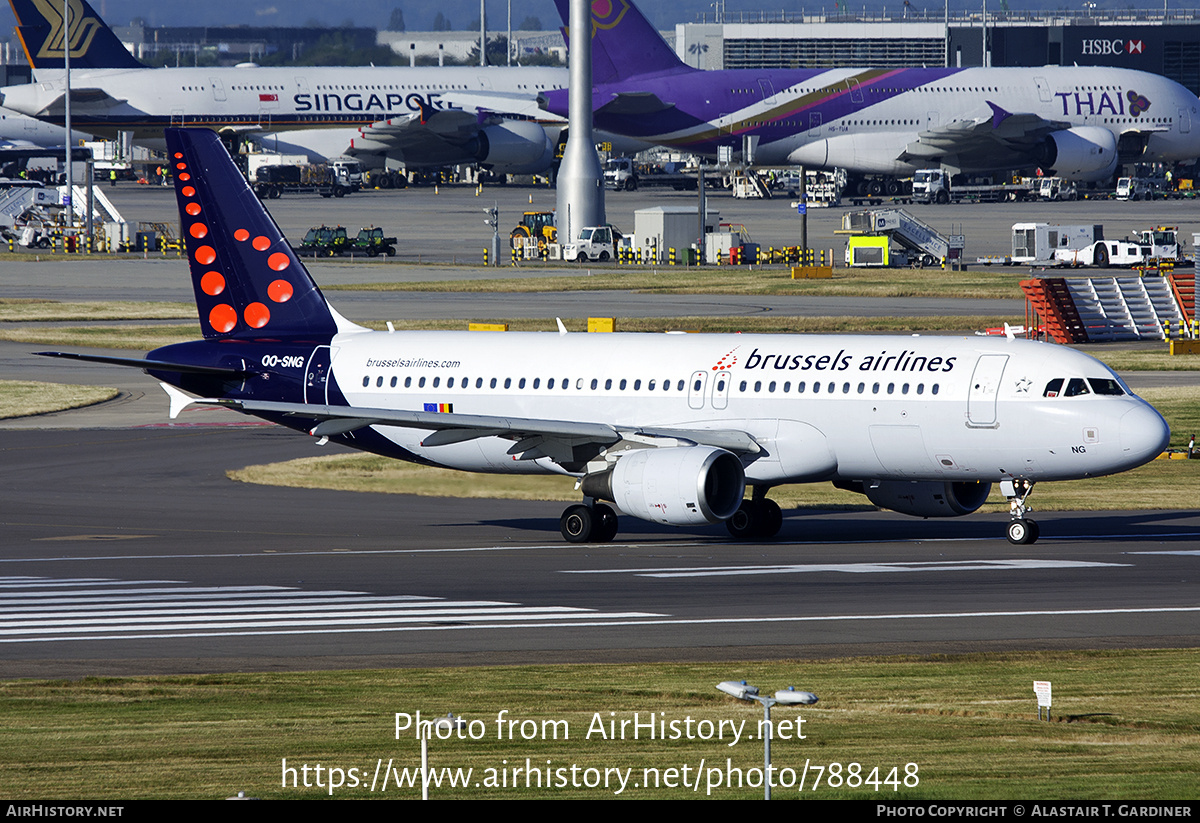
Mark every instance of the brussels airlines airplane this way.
pixel 425 116
pixel 669 428
pixel 1076 122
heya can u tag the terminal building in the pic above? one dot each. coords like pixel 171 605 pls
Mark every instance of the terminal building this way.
pixel 1160 42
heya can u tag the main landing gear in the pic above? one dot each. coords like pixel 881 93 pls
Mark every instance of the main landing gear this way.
pixel 595 523
pixel 757 517
pixel 1021 530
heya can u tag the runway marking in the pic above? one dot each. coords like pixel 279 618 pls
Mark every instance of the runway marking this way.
pixel 854 568
pixel 44 609
pixel 1181 552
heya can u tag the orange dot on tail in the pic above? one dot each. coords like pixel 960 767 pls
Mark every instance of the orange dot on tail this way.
pixel 188 191
pixel 257 315
pixel 181 166
pixel 222 318
pixel 192 208
pixel 212 283
pixel 178 155
pixel 205 255
pixel 198 230
pixel 278 261
pixel 261 243
pixel 185 176
pixel 280 290
pixel 241 235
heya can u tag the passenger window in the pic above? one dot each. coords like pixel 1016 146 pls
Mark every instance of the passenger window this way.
pixel 393 382
pixel 1076 387
pixel 436 381
pixel 637 385
pixel 770 387
pixel 521 383
pixel 493 383
pixel 800 387
pixel 508 382
pixel 608 384
pixel 1053 387
pixel 479 382
pixel 595 383
pixel 621 385
pixel 450 383
pixel 366 381
pixel 650 385
pixel 408 382
pixel 757 386
pixel 787 386
pixel 421 383
pixel 680 386
pixel 537 381
pixel 550 383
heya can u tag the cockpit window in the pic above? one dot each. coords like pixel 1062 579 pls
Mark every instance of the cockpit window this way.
pixel 1053 388
pixel 1076 387
pixel 1105 385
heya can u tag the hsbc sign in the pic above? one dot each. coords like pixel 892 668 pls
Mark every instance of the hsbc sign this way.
pixel 1101 48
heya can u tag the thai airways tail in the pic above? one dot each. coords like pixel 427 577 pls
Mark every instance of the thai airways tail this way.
pixel 248 282
pixel 43 33
pixel 624 44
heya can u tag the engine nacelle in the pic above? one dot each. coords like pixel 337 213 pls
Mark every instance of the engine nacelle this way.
pixel 926 498
pixel 1087 153
pixel 682 486
pixel 514 147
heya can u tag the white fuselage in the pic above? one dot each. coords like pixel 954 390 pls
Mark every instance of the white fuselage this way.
pixel 820 407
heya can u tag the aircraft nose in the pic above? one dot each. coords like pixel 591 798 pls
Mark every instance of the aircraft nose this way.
pixel 1144 434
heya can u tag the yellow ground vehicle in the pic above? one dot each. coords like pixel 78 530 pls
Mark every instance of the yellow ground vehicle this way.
pixel 537 224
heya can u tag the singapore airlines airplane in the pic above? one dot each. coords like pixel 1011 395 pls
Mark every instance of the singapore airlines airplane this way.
pixel 1076 122
pixel 425 116
pixel 669 428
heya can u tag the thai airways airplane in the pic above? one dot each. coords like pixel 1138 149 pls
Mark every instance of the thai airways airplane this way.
pixel 670 428
pixel 419 117
pixel 1076 122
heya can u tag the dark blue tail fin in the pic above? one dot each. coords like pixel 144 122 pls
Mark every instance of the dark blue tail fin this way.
pixel 624 44
pixel 93 44
pixel 248 283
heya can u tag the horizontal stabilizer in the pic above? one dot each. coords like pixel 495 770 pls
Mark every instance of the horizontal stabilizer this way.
pixel 148 365
pixel 635 103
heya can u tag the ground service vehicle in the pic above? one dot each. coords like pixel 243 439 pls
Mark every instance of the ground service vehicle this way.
pixel 593 243
pixel 538 225
pixel 337 178
pixel 371 241
pixel 325 241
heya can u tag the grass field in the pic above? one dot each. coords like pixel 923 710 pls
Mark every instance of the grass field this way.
pixel 1124 725
pixel 21 398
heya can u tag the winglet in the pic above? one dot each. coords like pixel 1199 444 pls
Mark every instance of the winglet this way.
pixel 999 115
pixel 561 328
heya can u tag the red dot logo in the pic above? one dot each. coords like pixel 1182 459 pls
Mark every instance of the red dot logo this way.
pixel 181 166
pixel 198 230
pixel 222 318
pixel 192 208
pixel 278 261
pixel 205 255
pixel 212 283
pixel 185 176
pixel 261 243
pixel 178 155
pixel 241 235
pixel 257 315
pixel 188 191
pixel 280 291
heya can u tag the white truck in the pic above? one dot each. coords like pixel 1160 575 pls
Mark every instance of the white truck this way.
pixel 1135 188
pixel 1034 243
pixel 593 243
pixel 1102 254
pixel 933 186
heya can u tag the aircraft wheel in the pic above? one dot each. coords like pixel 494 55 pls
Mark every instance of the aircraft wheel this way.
pixel 1022 532
pixel 744 523
pixel 605 524
pixel 577 524
pixel 770 518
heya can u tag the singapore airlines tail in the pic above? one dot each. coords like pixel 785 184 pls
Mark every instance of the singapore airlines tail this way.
pixel 669 428
pixel 43 33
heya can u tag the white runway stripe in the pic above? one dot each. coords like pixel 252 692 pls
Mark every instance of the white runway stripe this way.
pixel 38 610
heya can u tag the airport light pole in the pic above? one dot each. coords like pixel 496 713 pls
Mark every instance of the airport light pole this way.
pixel 785 697
pixel 580 179
pixel 66 35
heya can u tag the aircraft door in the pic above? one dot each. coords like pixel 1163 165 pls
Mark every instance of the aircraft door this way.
pixel 814 124
pixel 316 375
pixel 696 389
pixel 1185 121
pixel 985 384
pixel 1043 89
pixel 767 89
pixel 720 391
pixel 856 95
pixel 218 89
pixel 177 119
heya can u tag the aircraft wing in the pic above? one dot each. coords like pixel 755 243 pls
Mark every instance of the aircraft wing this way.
pixel 82 101
pixel 437 137
pixel 534 437
pixel 984 136
pixel 495 101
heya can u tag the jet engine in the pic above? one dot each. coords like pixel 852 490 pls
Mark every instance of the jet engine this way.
pixel 1087 153
pixel 514 147
pixel 927 499
pixel 682 486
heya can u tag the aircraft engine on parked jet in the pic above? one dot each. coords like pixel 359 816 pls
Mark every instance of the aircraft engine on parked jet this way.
pixel 514 147
pixel 927 499
pixel 1087 153
pixel 683 486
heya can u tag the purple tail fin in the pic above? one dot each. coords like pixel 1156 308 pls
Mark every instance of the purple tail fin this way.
pixel 93 44
pixel 624 44
pixel 247 281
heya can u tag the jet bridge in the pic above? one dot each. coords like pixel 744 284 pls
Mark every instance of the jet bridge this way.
pixel 930 246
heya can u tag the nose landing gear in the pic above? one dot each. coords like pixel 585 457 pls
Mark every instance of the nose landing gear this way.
pixel 1021 530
